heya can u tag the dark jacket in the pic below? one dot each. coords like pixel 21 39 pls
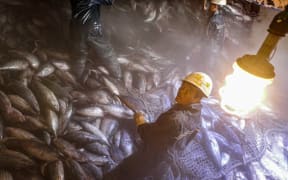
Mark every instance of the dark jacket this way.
pixel 88 10
pixel 169 127
pixel 169 133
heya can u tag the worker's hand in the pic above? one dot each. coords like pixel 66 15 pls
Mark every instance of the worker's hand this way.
pixel 139 118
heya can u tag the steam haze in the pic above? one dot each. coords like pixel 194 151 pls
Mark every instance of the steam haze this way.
pixel 180 39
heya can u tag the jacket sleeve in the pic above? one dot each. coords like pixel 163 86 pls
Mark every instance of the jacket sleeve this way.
pixel 88 10
pixel 164 130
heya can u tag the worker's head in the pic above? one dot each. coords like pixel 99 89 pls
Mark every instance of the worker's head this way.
pixel 194 87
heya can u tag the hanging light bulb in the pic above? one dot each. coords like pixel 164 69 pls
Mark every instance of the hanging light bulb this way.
pixel 245 88
pixel 243 91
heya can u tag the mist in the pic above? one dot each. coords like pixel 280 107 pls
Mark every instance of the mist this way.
pixel 180 37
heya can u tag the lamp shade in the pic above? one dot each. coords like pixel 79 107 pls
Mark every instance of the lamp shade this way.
pixel 253 64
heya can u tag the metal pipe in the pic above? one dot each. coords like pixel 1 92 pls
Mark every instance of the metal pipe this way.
pixel 268 46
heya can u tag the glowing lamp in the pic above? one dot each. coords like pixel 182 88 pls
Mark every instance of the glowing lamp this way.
pixel 245 88
pixel 243 91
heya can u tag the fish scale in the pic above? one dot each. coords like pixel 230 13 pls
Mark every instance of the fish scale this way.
pixel 24 92
pixel 21 104
pixel 212 148
pixel 14 159
pixel 45 96
pixel 226 131
pixel 55 170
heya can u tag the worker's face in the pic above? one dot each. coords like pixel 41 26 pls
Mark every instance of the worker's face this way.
pixel 213 7
pixel 187 94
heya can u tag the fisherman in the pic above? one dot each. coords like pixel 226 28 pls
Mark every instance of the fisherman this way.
pixel 213 52
pixel 86 31
pixel 216 26
pixel 166 141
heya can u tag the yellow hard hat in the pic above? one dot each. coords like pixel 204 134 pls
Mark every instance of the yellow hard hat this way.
pixel 200 80
pixel 219 2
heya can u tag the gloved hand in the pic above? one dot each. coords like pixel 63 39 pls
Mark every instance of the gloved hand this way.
pixel 139 118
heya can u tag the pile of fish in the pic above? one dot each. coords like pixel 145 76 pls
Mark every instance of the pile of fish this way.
pixel 53 127
pixel 242 147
